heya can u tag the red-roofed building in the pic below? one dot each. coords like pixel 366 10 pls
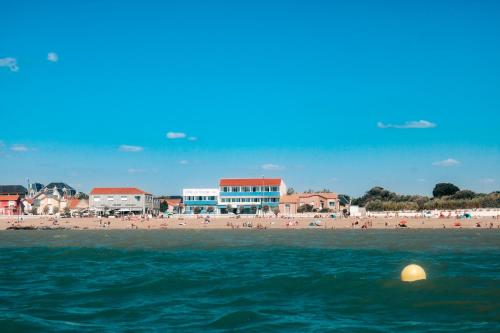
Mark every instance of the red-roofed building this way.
pixel 10 205
pixel 250 195
pixel 174 205
pixel 122 200
pixel 290 204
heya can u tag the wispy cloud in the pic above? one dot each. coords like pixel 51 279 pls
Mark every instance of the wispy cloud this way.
pixel 183 162
pixel 408 124
pixel 176 135
pixel 10 63
pixel 422 180
pixel 52 56
pixel 272 167
pixel 487 181
pixel 449 162
pixel 130 149
pixel 19 148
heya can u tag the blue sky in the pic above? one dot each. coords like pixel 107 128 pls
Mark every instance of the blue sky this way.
pixel 343 95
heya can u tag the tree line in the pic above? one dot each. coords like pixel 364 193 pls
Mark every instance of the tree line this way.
pixel 444 196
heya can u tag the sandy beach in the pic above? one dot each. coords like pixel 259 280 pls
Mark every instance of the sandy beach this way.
pixel 242 223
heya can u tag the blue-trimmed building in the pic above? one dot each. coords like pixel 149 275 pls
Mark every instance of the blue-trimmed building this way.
pixel 250 195
pixel 201 201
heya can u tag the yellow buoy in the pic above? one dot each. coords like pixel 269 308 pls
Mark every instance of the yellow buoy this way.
pixel 413 273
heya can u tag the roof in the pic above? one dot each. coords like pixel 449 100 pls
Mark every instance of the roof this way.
pixel 77 203
pixel 294 198
pixel 13 189
pixel 251 182
pixel 9 197
pixel 173 202
pixel 116 190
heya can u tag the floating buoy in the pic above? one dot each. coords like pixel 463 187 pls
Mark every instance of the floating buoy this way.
pixel 412 273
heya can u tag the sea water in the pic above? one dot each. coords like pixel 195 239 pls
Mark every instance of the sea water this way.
pixel 249 281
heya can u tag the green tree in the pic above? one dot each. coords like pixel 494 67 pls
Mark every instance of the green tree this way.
pixel 34 211
pixel 265 209
pixel 55 210
pixel 45 210
pixel 197 210
pixel 276 211
pixel 66 210
pixel 444 189
pixel 464 194
pixel 305 208
pixel 163 206
pixel 210 210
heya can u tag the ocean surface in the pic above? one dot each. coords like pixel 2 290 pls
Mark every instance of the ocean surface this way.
pixel 249 281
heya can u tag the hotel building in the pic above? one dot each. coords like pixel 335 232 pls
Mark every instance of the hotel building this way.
pixel 201 201
pixel 250 195
pixel 123 200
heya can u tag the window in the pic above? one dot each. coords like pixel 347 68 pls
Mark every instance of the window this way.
pixel 225 189
pixel 255 189
pixel 274 189
pixel 235 189
pixel 266 189
pixel 111 198
pixel 137 198
pixel 96 199
pixel 245 189
pixel 124 198
pixel 331 203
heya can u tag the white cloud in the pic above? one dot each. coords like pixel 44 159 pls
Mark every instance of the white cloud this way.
pixel 176 135
pixel 487 181
pixel 52 56
pixel 11 63
pixel 130 149
pixel 183 162
pixel 408 124
pixel 18 148
pixel 271 167
pixel 449 162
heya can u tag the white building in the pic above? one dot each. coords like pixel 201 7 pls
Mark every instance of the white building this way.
pixel 123 200
pixel 200 200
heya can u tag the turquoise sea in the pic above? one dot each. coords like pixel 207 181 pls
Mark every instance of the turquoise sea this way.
pixel 249 281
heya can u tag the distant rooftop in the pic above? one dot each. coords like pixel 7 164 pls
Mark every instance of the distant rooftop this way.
pixel 13 189
pixel 250 182
pixel 116 190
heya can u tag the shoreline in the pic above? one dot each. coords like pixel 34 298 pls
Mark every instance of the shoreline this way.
pixel 242 223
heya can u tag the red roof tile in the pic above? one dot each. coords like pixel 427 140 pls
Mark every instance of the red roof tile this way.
pixel 251 182
pixel 9 197
pixel 116 190
pixel 173 202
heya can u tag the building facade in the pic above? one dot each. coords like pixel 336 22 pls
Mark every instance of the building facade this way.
pixel 201 201
pixel 316 202
pixel 10 205
pixel 122 200
pixel 250 195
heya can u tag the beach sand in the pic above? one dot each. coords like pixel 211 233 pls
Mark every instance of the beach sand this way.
pixel 92 223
